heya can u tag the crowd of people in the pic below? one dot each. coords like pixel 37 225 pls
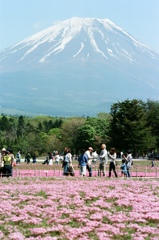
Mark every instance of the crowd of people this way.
pixel 85 161
pixel 87 157
pixel 8 160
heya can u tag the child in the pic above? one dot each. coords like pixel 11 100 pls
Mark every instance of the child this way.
pixel 152 163
pixel 123 168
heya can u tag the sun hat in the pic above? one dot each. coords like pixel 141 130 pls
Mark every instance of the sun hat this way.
pixel 90 148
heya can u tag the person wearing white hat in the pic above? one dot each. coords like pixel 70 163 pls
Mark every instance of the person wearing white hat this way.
pixel 89 162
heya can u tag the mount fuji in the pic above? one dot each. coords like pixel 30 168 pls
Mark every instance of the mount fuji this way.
pixel 77 67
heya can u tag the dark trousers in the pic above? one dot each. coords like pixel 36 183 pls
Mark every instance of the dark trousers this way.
pixel 89 168
pixel 128 172
pixel 112 167
pixel 65 168
pixel 7 171
pixel 1 169
pixel 28 161
pixel 18 160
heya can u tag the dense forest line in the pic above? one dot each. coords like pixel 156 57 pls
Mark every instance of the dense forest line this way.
pixel 131 124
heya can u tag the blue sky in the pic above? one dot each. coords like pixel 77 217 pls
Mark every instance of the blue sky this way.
pixel 20 19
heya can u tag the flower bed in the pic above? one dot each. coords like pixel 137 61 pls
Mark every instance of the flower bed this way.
pixel 48 172
pixel 79 209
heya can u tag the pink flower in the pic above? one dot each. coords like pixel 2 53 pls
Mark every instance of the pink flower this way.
pixel 16 236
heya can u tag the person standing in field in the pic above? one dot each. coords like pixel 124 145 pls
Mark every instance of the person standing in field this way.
pixel 12 156
pixel 18 157
pixel 50 158
pixel 82 161
pixel 123 168
pixel 67 161
pixel 152 163
pixel 112 156
pixel 103 160
pixel 70 170
pixel 129 161
pixel 34 158
pixel 2 154
pixel 89 162
pixel 7 169
pixel 57 157
pixel 28 157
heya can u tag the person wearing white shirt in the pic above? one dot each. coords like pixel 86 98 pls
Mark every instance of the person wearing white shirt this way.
pixel 112 156
pixel 18 157
pixel 129 161
pixel 57 157
pixel 95 156
pixel 103 160
pixel 89 162
pixel 67 164
pixel 2 154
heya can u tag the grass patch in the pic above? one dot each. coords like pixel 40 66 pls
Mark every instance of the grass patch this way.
pixel 106 220
pixel 75 224
pixel 89 201
pixel 41 194
pixel 82 194
pixel 93 236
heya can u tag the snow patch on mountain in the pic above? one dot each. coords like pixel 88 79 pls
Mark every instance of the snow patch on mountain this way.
pixel 94 44
pixel 82 46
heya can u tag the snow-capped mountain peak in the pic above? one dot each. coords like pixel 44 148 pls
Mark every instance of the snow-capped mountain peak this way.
pixel 85 62
pixel 104 38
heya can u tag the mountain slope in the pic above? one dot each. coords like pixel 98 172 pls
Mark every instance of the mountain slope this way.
pixel 79 66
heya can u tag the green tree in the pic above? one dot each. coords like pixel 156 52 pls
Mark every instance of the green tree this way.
pixel 85 136
pixel 103 115
pixel 101 127
pixel 4 123
pixel 20 128
pixel 152 119
pixel 40 142
pixel 69 132
pixel 128 125
pixel 56 132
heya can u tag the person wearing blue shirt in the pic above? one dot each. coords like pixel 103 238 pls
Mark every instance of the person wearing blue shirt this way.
pixel 123 168
pixel 82 160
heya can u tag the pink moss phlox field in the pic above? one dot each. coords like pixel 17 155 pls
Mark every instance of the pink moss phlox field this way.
pixel 79 209
pixel 135 172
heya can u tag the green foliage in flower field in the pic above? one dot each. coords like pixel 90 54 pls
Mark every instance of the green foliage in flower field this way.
pixel 93 236
pixel 41 194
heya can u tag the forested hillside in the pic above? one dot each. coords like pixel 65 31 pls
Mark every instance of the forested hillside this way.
pixel 130 124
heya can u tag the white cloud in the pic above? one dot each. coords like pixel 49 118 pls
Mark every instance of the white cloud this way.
pixel 34 89
pixel 38 26
pixel 57 22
